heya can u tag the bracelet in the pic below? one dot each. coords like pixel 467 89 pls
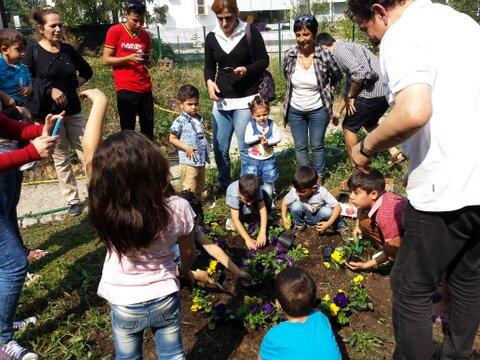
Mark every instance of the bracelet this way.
pixel 365 152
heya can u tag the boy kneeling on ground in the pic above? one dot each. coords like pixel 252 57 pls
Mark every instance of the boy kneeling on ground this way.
pixel 249 202
pixel 307 334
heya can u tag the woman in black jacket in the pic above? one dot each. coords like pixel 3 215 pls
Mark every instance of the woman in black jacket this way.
pixel 60 69
pixel 233 69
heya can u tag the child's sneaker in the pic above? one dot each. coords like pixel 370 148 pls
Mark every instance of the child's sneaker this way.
pixel 17 325
pixel 229 224
pixel 17 352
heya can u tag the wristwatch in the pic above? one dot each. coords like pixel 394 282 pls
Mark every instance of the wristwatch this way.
pixel 363 151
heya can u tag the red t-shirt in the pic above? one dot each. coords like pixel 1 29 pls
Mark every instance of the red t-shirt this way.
pixel 129 76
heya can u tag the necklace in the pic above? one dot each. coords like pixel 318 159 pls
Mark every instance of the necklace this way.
pixel 305 61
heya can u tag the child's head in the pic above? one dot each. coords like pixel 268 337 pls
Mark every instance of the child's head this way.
pixel 260 109
pixel 12 45
pixel 128 190
pixel 365 189
pixel 195 203
pixel 249 187
pixel 296 292
pixel 188 96
pixel 325 40
pixel 135 15
pixel 305 181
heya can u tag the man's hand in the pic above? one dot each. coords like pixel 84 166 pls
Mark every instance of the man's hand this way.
pixel 361 161
pixel 351 106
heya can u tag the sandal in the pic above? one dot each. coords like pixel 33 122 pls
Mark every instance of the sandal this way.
pixel 396 159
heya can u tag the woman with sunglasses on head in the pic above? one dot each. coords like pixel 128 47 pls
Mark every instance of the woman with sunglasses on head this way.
pixel 311 76
pixel 233 69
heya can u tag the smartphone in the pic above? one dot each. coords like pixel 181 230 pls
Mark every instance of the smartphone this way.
pixel 56 129
pixel 228 69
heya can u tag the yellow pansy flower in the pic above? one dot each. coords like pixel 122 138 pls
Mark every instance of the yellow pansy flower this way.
pixel 340 291
pixel 357 279
pixel 327 265
pixel 195 307
pixel 338 257
pixel 305 251
pixel 326 298
pixel 334 309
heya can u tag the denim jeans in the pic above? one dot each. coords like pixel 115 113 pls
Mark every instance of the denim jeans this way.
pixel 435 243
pixel 13 257
pixel 224 123
pixel 266 169
pixel 305 126
pixel 161 315
pixel 303 216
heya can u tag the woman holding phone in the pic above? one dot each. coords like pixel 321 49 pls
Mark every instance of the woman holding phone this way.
pixel 232 78
pixel 61 69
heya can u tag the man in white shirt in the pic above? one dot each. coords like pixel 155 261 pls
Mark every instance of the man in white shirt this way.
pixel 434 92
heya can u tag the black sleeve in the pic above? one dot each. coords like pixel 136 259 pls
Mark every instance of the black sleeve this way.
pixel 210 67
pixel 84 69
pixel 259 51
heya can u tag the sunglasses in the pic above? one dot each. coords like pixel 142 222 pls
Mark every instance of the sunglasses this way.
pixel 304 19
pixel 226 18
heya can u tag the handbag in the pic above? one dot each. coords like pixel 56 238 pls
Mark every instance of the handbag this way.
pixel 266 87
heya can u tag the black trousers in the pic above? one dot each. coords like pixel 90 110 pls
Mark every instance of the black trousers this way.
pixel 435 243
pixel 129 105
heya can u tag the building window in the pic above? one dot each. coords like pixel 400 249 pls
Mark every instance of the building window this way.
pixel 201 7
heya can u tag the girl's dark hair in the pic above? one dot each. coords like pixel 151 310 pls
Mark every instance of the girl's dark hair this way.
pixel 8 37
pixel 218 6
pixel 128 191
pixel 249 187
pixel 187 92
pixel 305 177
pixel 296 292
pixel 307 21
pixel 363 8
pixel 373 181
pixel 258 101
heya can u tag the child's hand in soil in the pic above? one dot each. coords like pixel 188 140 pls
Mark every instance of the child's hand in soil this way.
pixel 322 226
pixel 357 232
pixel 261 240
pixel 202 276
pixel 251 244
pixel 286 223
pixel 358 265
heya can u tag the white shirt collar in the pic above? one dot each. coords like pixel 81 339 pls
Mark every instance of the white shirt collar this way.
pixel 239 31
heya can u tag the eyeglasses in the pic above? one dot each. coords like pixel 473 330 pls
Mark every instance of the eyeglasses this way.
pixel 226 18
pixel 304 19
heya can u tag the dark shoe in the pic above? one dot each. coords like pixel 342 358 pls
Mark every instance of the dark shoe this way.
pixel 74 210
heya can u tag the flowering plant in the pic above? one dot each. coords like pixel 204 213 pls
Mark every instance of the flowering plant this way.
pixel 256 313
pixel 336 307
pixel 216 234
pixel 359 298
pixel 200 301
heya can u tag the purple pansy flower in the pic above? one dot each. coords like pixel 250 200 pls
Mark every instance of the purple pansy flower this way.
pixel 280 248
pixel 220 309
pixel 267 308
pixel 222 243
pixel 249 254
pixel 205 229
pixel 254 308
pixel 341 300
pixel 252 226
pixel 259 267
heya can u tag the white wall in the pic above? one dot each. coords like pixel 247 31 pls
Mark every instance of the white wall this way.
pixel 182 14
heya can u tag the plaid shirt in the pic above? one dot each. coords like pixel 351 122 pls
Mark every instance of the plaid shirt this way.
pixel 387 213
pixel 192 135
pixel 356 61
pixel 326 69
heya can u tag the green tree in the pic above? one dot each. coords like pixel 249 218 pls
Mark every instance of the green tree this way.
pixel 469 7
pixel 320 7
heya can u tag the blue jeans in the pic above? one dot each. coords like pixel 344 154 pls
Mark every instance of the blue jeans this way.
pixel 309 125
pixel 13 257
pixel 302 216
pixel 161 315
pixel 224 123
pixel 267 169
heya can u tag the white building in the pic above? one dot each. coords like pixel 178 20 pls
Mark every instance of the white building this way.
pixel 188 21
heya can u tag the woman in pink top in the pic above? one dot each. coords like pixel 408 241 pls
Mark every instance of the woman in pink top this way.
pixel 133 208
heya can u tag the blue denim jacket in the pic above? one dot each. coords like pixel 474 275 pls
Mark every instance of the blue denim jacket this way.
pixel 194 136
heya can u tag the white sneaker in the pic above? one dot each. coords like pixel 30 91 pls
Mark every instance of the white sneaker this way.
pixel 17 352
pixel 229 224
pixel 17 325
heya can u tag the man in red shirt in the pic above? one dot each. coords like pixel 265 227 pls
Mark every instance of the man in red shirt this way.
pixel 127 50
